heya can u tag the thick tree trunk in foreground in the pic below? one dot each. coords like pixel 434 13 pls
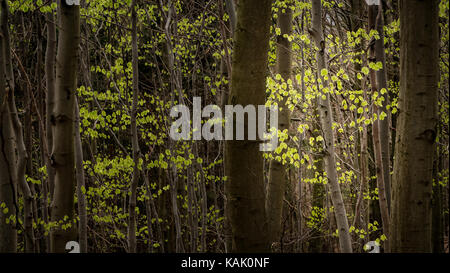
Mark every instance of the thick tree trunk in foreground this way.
pixel 244 163
pixel 326 121
pixel 278 173
pixel 416 127
pixel 62 124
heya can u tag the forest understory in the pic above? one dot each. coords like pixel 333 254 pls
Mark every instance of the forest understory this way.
pixel 89 92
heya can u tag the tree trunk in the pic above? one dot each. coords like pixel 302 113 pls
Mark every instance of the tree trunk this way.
pixel 62 124
pixel 385 123
pixel 82 225
pixel 8 232
pixel 226 72
pixel 416 127
pixel 357 223
pixel 437 222
pixel 379 166
pixel 48 186
pixel 278 173
pixel 326 120
pixel 134 133
pixel 244 163
pixel 20 148
pixel 229 5
pixel 50 53
pixel 25 189
pixel 8 161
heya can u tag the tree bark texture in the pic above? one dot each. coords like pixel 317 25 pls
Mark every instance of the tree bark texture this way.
pixel 416 127
pixel 62 118
pixel 243 160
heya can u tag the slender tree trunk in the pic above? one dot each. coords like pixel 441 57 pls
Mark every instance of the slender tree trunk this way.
pixel 81 197
pixel 25 189
pixel 326 120
pixel 225 65
pixel 174 182
pixel 134 133
pixel 416 127
pixel 38 203
pixel 62 119
pixel 437 222
pixel 382 200
pixel 278 172
pixel 299 186
pixel 50 55
pixel 357 223
pixel 244 163
pixel 175 87
pixel 316 244
pixel 8 232
pixel 152 206
pixel 385 123
pixel 226 72
pixel 356 8
pixel 229 5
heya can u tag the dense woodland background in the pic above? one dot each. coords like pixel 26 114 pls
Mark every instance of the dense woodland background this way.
pixel 85 152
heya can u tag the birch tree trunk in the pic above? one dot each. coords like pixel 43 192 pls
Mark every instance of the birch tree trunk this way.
pixel 62 124
pixel 278 173
pixel 244 163
pixel 326 120
pixel 416 127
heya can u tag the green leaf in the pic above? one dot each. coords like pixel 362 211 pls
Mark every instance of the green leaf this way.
pixel 365 70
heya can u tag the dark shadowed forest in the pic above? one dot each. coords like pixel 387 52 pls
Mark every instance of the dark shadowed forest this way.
pixel 115 119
